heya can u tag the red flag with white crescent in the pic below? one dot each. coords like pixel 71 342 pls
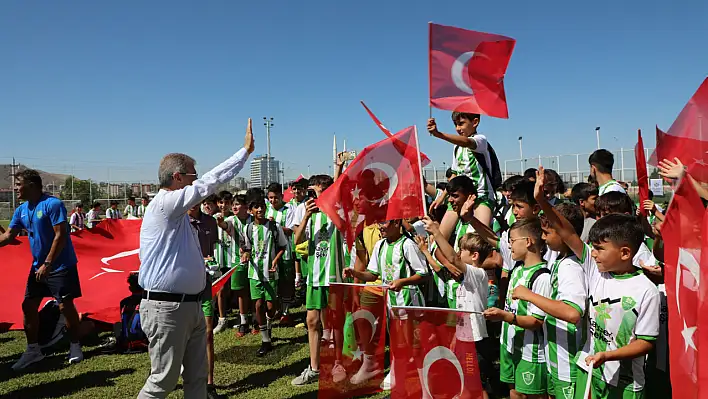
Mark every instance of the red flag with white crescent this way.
pixel 352 363
pixel 107 254
pixel 684 235
pixel 467 70
pixel 384 182
pixel 431 357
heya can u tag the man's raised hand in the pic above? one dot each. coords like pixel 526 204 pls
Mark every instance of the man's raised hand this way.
pixel 538 193
pixel 249 143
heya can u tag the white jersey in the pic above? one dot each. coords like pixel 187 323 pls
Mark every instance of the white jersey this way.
pixel 226 246
pixel 113 214
pixel 397 260
pixel 472 296
pixel 611 185
pixel 130 211
pixel 281 217
pixel 465 163
pixel 563 339
pixel 621 309
pixel 325 254
pixel 265 240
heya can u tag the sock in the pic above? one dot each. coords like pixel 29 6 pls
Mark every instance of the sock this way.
pixel 222 320
pixel 243 319
pixel 268 322
pixel 265 335
pixel 327 334
pixel 32 347
pixel 75 345
pixel 286 309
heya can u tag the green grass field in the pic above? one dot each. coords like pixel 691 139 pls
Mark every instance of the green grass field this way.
pixel 4 223
pixel 238 372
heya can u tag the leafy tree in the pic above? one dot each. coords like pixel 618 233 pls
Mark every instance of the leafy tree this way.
pixel 84 191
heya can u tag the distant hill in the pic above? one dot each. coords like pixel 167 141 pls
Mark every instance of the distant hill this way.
pixel 6 179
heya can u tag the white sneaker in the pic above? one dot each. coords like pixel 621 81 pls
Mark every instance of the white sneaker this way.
pixel 307 377
pixel 27 358
pixel 387 383
pixel 220 326
pixel 75 354
pixel 365 374
pixel 338 373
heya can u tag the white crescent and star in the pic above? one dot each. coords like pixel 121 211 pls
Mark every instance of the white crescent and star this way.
pixel 106 261
pixel 368 316
pixel 458 68
pixel 689 262
pixel 392 180
pixel 441 353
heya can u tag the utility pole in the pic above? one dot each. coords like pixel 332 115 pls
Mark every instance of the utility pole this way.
pixel 268 123
pixel 12 183
pixel 597 133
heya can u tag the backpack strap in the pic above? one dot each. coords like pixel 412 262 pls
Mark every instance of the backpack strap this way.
pixel 538 273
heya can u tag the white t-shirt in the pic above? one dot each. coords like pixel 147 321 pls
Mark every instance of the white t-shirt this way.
pixel 621 309
pixel 296 218
pixel 472 296
pixel 611 185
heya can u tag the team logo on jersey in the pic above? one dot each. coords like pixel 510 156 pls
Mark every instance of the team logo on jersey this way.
pixel 39 214
pixel 628 303
pixel 568 392
pixel 603 312
pixel 528 377
pixel 388 271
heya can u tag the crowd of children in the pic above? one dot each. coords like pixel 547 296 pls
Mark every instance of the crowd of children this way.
pixel 559 279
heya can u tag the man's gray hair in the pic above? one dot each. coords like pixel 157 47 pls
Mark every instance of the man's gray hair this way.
pixel 172 163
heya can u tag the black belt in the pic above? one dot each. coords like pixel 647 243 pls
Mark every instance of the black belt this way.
pixel 170 297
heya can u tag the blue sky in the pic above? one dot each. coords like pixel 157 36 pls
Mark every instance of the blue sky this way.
pixel 126 82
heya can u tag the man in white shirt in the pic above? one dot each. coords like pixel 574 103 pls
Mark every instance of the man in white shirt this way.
pixel 172 274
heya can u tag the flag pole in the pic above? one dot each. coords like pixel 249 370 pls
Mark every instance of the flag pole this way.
pixel 430 71
pixel 420 166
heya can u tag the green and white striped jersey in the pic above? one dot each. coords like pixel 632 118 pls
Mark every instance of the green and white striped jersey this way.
pixel 514 338
pixel 395 261
pixel 325 247
pixel 563 339
pixel 237 230
pixel 439 286
pixel 264 246
pixel 622 308
pixel 611 185
pixel 465 163
pixel 281 216
pixel 223 249
pixel 461 228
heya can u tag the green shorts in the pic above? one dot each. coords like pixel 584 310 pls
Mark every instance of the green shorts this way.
pixel 208 307
pixel 560 389
pixel 239 279
pixel 528 378
pixel 317 298
pixel 600 389
pixel 264 290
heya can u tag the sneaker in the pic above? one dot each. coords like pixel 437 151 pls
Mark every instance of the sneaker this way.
pixel 27 358
pixel 242 330
pixel 364 374
pixel 307 377
pixel 109 346
pixel 338 373
pixel 212 394
pixel 264 349
pixel 220 326
pixel 256 330
pixel 75 354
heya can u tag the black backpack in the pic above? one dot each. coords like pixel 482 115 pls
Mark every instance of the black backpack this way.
pixel 494 173
pixel 52 325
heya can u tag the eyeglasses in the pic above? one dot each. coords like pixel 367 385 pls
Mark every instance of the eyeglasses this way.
pixel 188 174
pixel 511 240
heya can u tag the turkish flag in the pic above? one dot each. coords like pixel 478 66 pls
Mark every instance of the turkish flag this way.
pixel 684 233
pixel 428 359
pixel 384 182
pixel 423 158
pixel 357 317
pixel 107 254
pixel 467 70
pixel 687 138
pixel 642 175
pixel 288 193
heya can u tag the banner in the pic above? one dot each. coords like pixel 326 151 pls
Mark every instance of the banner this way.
pixel 107 254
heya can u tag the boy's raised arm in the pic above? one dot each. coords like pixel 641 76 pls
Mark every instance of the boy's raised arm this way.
pixel 558 222
pixel 482 229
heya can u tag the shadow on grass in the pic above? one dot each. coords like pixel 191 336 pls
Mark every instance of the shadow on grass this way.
pixel 72 385
pixel 246 355
pixel 57 360
pixel 264 378
pixel 6 339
